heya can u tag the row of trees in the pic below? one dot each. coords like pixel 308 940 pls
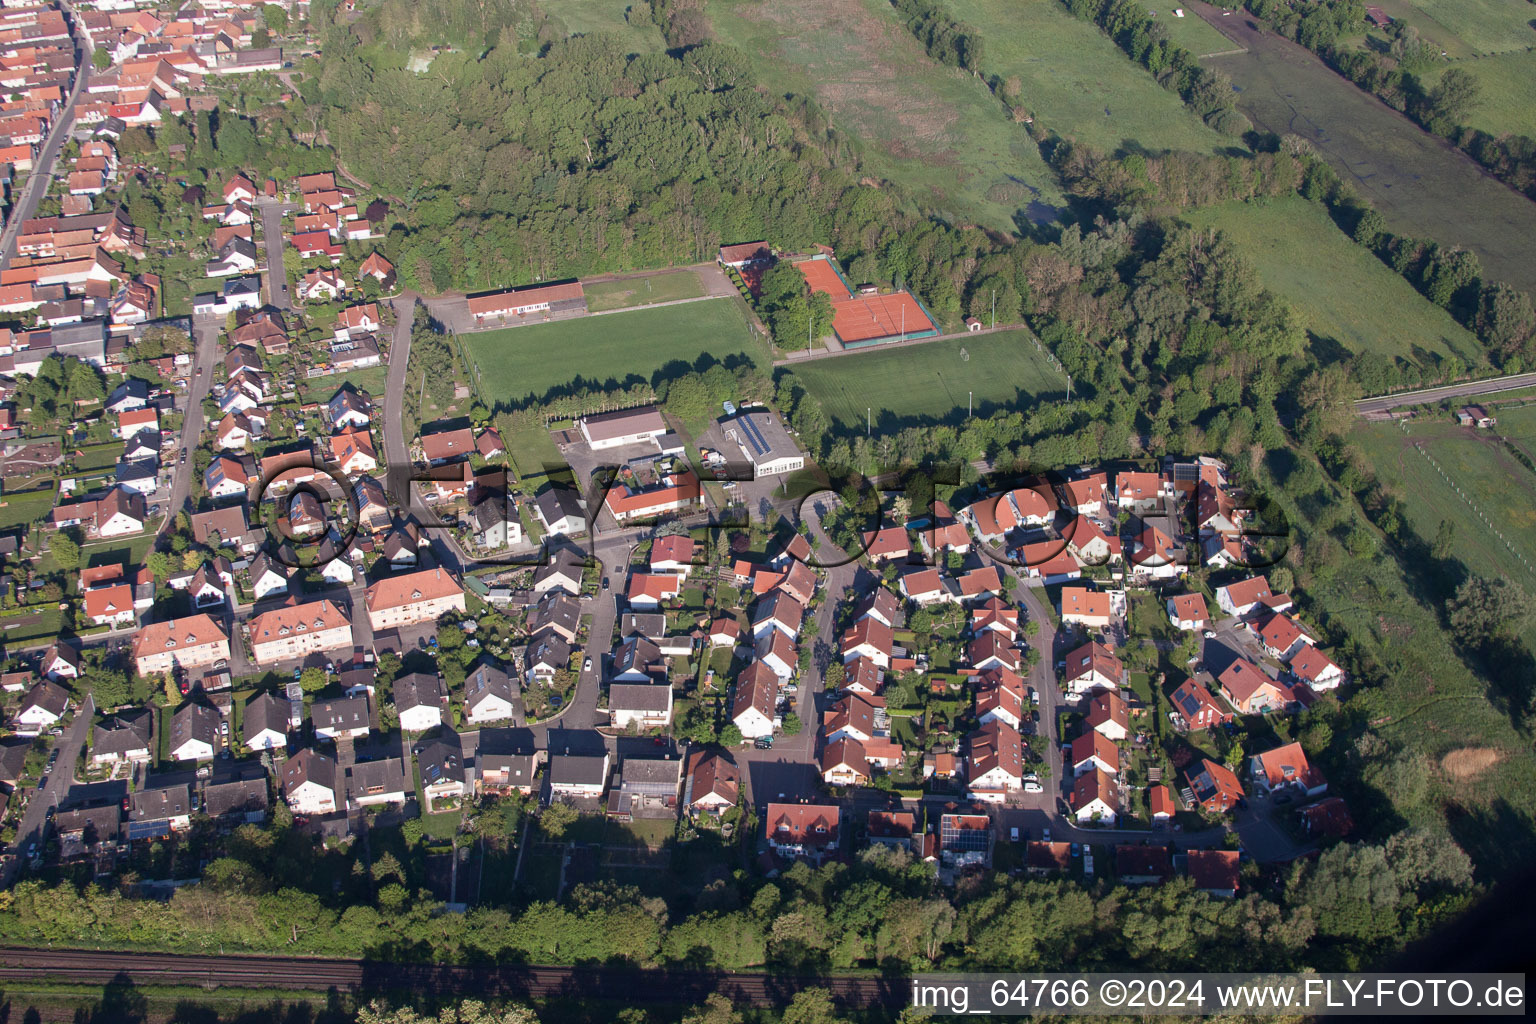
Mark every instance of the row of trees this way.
pixel 882 911
pixel 950 42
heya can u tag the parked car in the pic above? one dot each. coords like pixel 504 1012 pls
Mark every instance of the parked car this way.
pixel 586 666
pixel 1033 787
pixel 1045 835
pixel 1210 634
pixel 763 743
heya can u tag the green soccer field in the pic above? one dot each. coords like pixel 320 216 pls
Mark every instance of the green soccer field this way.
pixel 932 381
pixel 517 364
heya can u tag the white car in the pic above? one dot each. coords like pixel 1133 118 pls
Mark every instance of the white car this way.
pixel 1210 634
pixel 1033 787
pixel 586 666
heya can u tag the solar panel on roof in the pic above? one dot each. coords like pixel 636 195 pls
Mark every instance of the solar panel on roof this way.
pixel 754 436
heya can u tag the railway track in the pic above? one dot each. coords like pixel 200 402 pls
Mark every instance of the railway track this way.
pixel 90 967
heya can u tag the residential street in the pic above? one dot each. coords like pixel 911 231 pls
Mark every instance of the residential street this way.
pixel 272 213
pixel 205 356
pixel 31 828
pixel 42 165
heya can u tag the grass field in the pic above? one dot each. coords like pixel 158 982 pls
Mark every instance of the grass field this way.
pixel 1495 482
pixel 22 507
pixel 933 129
pixel 1344 293
pixel 1481 26
pixel 1191 31
pixel 643 291
pixel 371 380
pixel 1507 91
pixel 1076 81
pixel 930 382
pixel 582 17
pixel 1429 704
pixel 518 363
pixel 1420 185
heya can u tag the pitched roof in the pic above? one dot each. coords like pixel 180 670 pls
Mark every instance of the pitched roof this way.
pixel 1214 869
pixel 803 824
pixel 1246 592
pixel 1288 764
pixel 1083 602
pixel 410 588
pixel 1096 784
pixel 1143 860
pixel 997 745
pixel 309 765
pixel 1215 786
pixel 1310 663
pixel 297 617
pixel 191 631
pixel 1090 658
pixel 756 687
pixel 1190 607
pixel 1107 708
pixel 1095 744
pixel 1242 680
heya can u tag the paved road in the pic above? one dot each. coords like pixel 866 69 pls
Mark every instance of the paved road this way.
pixel 34 820
pixel 1431 396
pixel 272 213
pixel 205 355
pixel 42 167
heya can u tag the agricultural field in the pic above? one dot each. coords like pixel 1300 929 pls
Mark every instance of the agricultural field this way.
pixel 930 382
pixel 1077 83
pixel 516 364
pixel 1346 296
pixel 643 291
pixel 1420 184
pixel 935 130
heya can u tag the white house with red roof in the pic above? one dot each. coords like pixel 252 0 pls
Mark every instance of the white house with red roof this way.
pixel 1242 597
pixel 1093 750
pixel 1282 636
pixel 1188 611
pixel 996 762
pixel 1316 669
pixel 1109 715
pixel 1095 797
pixel 1092 667
pixel 646 591
pixel 1083 607
pixel 672 554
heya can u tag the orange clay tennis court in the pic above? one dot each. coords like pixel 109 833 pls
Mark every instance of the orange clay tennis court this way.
pixel 865 318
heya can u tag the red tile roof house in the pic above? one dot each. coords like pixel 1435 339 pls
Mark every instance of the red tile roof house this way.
pixel 1108 714
pixel 1092 667
pixel 1084 607
pixel 1197 708
pixel 887 544
pixel 1143 865
pixel 1215 871
pixel 1160 803
pixel 1095 798
pixel 672 554
pixel 1188 611
pixel 1249 690
pixel 1286 766
pixel 798 830
pixel 1242 597
pixel 1093 750
pixel 1283 636
pixel 1214 786
pixel 445 445
pixel 647 591
pixel 1316 669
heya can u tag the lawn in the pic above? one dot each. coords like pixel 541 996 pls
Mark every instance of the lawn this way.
pixel 1076 81
pixel 519 365
pixel 930 382
pixel 371 380
pixel 1345 295
pixel 643 291
pixel 20 507
pixel 935 130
